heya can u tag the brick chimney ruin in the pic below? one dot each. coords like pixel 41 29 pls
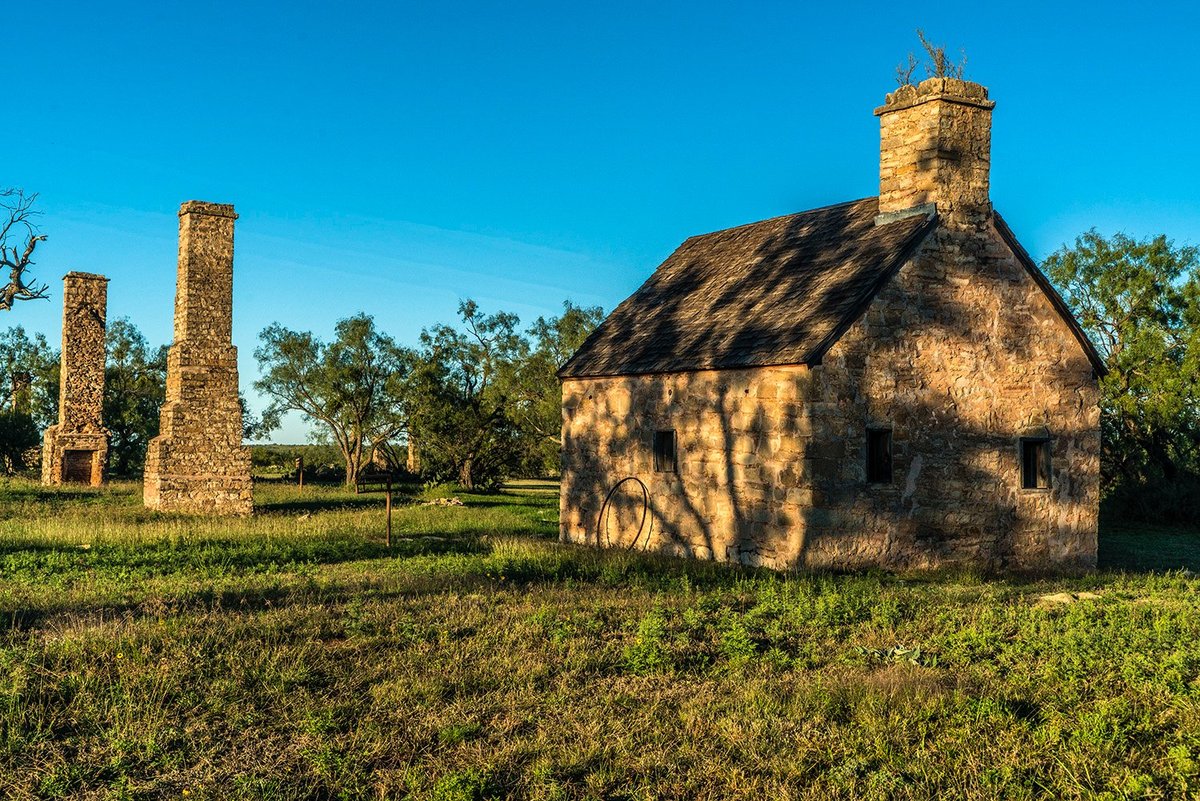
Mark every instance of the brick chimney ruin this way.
pixel 935 148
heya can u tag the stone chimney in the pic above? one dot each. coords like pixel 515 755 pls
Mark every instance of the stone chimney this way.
pixel 76 448
pixel 197 463
pixel 935 148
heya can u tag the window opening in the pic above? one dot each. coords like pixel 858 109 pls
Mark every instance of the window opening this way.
pixel 879 455
pixel 664 451
pixel 1035 464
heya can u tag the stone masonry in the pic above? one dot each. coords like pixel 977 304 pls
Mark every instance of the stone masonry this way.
pixel 76 448
pixel 935 148
pixel 962 354
pixel 197 463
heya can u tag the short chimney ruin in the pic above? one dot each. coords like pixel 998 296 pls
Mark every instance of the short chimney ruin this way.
pixel 75 449
pixel 22 392
pixel 935 149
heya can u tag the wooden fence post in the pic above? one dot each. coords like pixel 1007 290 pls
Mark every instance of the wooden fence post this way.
pixel 388 506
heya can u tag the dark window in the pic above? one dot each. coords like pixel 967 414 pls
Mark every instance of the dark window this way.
pixel 879 455
pixel 1035 464
pixel 664 451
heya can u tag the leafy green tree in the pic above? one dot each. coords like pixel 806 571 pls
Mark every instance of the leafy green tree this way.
pixel 538 412
pixel 461 393
pixel 21 353
pixel 18 434
pixel 135 379
pixel 1139 300
pixel 350 387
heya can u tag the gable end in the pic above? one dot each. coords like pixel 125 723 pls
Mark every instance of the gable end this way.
pixel 1051 294
pixel 813 359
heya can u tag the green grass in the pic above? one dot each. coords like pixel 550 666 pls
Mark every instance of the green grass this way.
pixel 292 655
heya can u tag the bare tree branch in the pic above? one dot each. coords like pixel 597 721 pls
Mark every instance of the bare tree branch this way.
pixel 18 240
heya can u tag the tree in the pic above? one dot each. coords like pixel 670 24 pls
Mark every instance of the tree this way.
pixel 29 383
pixel 460 391
pixel 538 412
pixel 18 434
pixel 134 389
pixel 19 238
pixel 32 356
pixel 1139 300
pixel 351 387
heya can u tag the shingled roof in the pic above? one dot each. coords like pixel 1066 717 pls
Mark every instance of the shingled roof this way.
pixel 780 291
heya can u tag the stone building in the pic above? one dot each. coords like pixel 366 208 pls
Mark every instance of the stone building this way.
pixel 197 462
pixel 75 450
pixel 889 381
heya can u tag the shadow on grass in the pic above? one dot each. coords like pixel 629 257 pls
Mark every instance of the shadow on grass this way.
pixel 521 500
pixel 29 492
pixel 33 562
pixel 212 559
pixel 1147 548
pixel 317 503
pixel 498 564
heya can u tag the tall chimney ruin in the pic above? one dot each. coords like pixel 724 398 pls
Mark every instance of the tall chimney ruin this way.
pixel 197 463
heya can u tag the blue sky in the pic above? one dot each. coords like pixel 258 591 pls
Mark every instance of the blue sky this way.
pixel 393 158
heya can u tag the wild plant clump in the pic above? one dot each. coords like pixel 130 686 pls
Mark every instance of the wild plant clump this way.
pixel 937 63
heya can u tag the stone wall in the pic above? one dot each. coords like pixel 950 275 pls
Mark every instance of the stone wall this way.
pixel 197 463
pixel 961 355
pixel 76 448
pixel 737 493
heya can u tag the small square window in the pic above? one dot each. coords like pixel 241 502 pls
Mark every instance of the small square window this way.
pixel 1035 464
pixel 879 455
pixel 664 451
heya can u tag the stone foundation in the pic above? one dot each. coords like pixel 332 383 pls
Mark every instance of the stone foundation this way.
pixel 197 463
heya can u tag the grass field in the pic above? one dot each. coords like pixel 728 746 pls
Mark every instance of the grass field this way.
pixel 293 656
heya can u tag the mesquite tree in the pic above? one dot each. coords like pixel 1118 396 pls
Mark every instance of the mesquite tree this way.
pixel 1139 300
pixel 19 238
pixel 461 394
pixel 350 387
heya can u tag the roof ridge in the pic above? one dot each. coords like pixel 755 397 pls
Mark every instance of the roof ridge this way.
pixel 782 217
pixel 770 294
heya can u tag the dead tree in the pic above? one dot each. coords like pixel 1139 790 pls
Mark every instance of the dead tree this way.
pixel 18 238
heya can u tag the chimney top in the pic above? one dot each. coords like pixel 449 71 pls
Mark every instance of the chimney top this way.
pixel 211 209
pixel 952 90
pixel 78 276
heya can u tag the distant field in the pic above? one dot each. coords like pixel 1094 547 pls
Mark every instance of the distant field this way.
pixel 292 656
